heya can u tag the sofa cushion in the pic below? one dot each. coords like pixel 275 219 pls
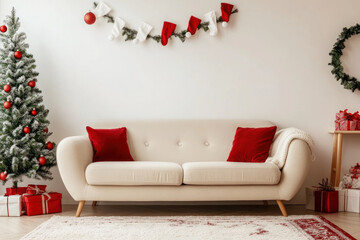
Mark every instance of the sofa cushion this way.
pixel 134 173
pixel 230 173
pixel 252 144
pixel 109 144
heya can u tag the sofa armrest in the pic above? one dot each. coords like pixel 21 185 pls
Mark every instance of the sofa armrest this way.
pixel 74 154
pixel 295 170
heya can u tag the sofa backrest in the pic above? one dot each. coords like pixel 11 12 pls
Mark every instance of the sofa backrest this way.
pixel 182 141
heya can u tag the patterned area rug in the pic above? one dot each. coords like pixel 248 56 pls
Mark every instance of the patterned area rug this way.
pixel 189 227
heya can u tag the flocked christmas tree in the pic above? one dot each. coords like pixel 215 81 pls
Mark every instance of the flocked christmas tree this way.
pixel 24 150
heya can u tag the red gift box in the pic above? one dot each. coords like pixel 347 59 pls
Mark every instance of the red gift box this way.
pixel 346 125
pixel 15 191
pixel 346 121
pixel 42 203
pixel 326 201
pixel 35 189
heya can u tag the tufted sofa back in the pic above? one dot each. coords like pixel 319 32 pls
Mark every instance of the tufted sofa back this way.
pixel 182 141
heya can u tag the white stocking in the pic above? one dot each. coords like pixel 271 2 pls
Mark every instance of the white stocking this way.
pixel 101 10
pixel 143 32
pixel 117 27
pixel 211 18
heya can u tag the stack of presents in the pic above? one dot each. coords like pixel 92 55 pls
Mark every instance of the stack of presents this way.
pixel 325 198
pixel 30 200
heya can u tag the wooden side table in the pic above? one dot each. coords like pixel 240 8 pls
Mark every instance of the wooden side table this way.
pixel 337 154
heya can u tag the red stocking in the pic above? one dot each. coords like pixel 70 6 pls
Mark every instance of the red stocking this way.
pixel 192 26
pixel 167 30
pixel 226 9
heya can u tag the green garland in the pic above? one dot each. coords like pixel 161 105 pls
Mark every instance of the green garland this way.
pixel 338 70
pixel 131 33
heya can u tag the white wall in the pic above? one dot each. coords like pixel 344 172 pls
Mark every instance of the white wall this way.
pixel 270 63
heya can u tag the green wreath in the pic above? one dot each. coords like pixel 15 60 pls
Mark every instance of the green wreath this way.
pixel 338 70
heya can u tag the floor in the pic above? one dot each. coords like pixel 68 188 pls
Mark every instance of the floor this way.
pixel 16 227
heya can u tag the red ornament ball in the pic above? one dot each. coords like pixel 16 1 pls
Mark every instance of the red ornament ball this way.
pixel 49 145
pixel 7 88
pixel 32 84
pixel 18 54
pixel 3 28
pixel 27 130
pixel 46 130
pixel 42 161
pixel 3 176
pixel 89 18
pixel 34 112
pixel 7 104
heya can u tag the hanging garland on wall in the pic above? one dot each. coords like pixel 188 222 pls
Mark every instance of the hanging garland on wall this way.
pixel 168 30
pixel 349 82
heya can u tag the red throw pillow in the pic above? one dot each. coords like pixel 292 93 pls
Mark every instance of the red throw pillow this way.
pixel 252 144
pixel 109 144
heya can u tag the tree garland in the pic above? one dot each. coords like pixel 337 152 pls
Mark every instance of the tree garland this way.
pixel 349 82
pixel 131 33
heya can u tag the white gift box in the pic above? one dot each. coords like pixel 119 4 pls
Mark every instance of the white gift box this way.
pixel 349 200
pixel 353 200
pixel 10 206
pixel 310 198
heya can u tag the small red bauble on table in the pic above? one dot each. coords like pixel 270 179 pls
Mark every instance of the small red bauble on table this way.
pixel 7 104
pixel 32 84
pixel 42 160
pixel 3 176
pixel 89 18
pixel 49 145
pixel 34 112
pixel 3 28
pixel 7 88
pixel 18 54
pixel 46 130
pixel 27 130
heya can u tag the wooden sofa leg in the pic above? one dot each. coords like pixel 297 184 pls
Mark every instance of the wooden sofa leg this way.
pixel 94 203
pixel 266 203
pixel 282 208
pixel 80 208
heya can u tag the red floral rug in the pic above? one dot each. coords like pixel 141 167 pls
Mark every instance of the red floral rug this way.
pixel 189 227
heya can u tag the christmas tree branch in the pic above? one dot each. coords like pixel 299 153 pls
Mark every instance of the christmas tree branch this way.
pixel 130 34
pixel 156 38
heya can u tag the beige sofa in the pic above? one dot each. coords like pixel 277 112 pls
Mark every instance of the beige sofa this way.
pixel 181 160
